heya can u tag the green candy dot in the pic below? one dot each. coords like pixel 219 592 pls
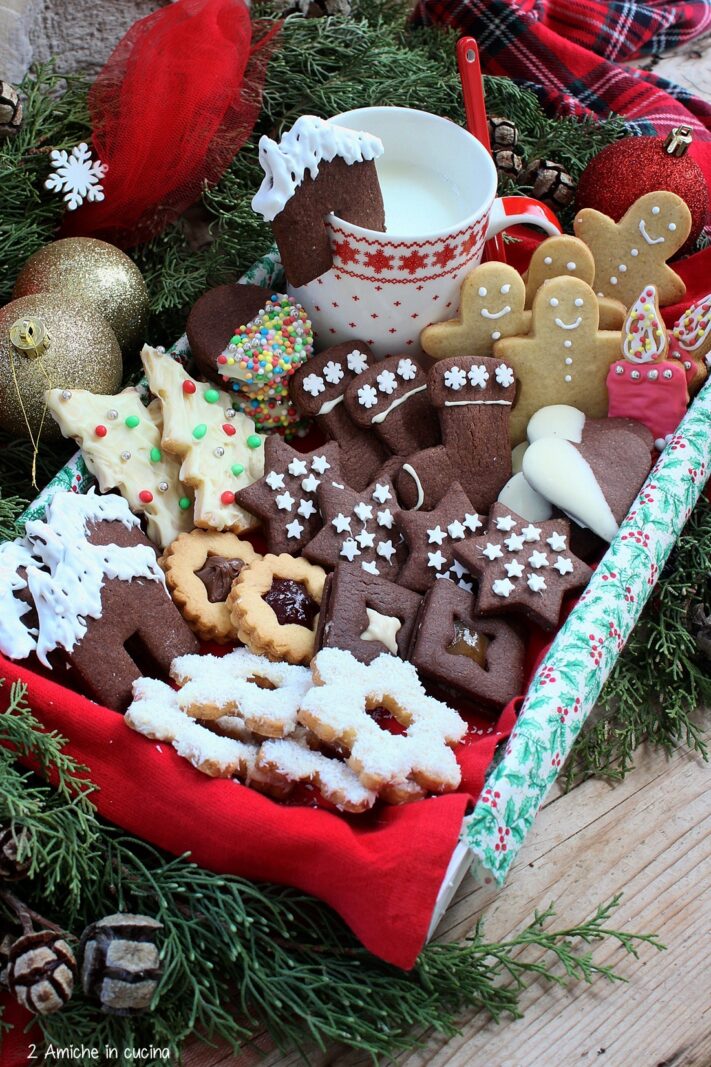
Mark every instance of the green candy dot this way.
pixel 156 455
pixel 254 441
pixel 132 421
pixel 237 469
pixel 184 503
pixel 199 431
pixel 211 396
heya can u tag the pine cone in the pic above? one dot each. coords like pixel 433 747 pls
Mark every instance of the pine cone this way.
pixel 121 963
pixel 508 162
pixel 10 110
pixel 11 868
pixel 503 133
pixel 550 183
pixel 41 971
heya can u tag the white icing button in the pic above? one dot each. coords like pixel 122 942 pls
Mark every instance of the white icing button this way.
pixel 548 260
pixel 482 291
pixel 667 374
pixel 671 226
pixel 655 210
pixel 568 378
pixel 579 302
pixel 619 370
pixel 567 344
pixel 613 280
pixel 568 360
pixel 652 375
pixel 571 266
pixel 635 375
pixel 553 302
pixel 495 335
pixel 505 289
pixel 634 251
pixel 622 267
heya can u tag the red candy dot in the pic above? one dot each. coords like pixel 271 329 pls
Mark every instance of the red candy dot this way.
pixel 145 496
pixel 229 429
pixel 101 431
pixel 222 360
pixel 189 387
pixel 227 497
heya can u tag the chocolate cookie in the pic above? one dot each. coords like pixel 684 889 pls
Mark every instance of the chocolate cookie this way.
pixel 430 537
pixel 285 498
pixel 366 615
pixel 317 391
pixel 480 658
pixel 214 318
pixel 390 398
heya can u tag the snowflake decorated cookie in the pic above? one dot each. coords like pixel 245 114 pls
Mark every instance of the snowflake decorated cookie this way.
pixel 220 451
pixel 390 400
pixel 523 568
pixel 644 385
pixel 285 499
pixel 120 439
pixel 359 528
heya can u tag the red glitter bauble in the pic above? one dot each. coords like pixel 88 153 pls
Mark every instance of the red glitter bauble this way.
pixel 628 169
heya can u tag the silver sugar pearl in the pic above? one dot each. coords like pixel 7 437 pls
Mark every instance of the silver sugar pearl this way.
pixel 652 375
pixel 66 394
pixel 219 452
pixel 635 375
pixel 112 413
pixel 163 487
pixel 687 365
pixel 619 370
pixel 230 413
pixel 125 456
pixel 667 374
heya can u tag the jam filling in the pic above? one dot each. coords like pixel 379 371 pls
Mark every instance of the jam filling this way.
pixel 291 603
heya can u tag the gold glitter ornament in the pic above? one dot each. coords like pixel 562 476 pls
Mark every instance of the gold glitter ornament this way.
pixel 96 272
pixel 48 340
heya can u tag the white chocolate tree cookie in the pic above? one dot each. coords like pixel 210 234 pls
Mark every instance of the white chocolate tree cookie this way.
pixel 220 450
pixel 120 440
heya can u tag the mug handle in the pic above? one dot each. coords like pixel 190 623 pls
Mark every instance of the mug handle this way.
pixel 511 210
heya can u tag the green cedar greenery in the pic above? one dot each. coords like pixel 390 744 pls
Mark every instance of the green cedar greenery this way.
pixel 241 958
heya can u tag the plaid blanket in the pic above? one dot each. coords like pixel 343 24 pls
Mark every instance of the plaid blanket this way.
pixel 571 52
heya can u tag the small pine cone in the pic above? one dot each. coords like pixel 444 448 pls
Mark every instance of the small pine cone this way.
pixel 121 962
pixel 13 869
pixel 503 133
pixel 549 182
pixel 6 943
pixel 507 162
pixel 41 971
pixel 10 110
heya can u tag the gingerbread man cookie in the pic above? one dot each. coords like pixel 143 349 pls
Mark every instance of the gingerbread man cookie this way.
pixel 218 446
pixel 569 257
pixel 120 440
pixel 633 252
pixel 565 358
pixel 491 306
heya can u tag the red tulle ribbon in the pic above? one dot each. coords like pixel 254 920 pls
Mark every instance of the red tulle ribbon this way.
pixel 177 99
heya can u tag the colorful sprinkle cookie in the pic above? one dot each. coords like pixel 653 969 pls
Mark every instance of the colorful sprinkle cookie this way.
pixel 691 342
pixel 270 347
pixel 120 439
pixel 220 451
pixel 523 568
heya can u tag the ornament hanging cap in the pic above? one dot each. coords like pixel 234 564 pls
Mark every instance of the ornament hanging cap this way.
pixel 678 141
pixel 29 337
pixel 177 99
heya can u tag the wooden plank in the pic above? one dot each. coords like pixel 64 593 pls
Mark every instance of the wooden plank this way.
pixel 649 837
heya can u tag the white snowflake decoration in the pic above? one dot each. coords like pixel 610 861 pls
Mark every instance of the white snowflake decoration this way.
pixel 367 396
pixel 454 378
pixel 504 375
pixel 78 176
pixel 479 375
pixel 386 381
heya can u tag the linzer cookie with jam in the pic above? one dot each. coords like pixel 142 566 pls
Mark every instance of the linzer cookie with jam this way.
pixel 315 170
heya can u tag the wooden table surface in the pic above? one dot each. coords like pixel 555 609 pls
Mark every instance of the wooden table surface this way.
pixel 648 837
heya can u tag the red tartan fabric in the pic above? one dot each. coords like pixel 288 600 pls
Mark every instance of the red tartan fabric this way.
pixel 571 52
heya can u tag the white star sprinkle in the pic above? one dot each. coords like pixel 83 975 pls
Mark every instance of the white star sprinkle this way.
pixel 341 523
pixel 502 587
pixel 505 523
pixel 436 536
pixel 557 542
pixel 514 543
pixel 294 529
pixel 536 583
pixel 531 532
pixel 538 559
pixel 564 565
pixel 285 501
pixel 275 481
pixel 381 493
pixel 456 530
pixel 320 464
pixel 386 549
pixel 436 560
pixel 513 569
pixel 472 522
pixel 385 518
pixel 350 549
pixel 310 484
pixel 306 509
pixel 365 539
pixel 363 511
pixel 371 567
pixel 297 467
pixel 492 552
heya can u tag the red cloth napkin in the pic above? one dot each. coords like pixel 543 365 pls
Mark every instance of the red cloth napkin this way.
pixel 381 871
pixel 571 52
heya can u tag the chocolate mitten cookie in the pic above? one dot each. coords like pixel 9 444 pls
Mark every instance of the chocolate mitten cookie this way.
pixel 390 398
pixel 473 397
pixel 317 391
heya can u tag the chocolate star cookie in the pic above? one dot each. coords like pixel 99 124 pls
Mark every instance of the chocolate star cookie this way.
pixel 431 536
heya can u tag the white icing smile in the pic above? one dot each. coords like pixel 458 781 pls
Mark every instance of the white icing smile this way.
pixel 645 234
pixel 569 325
pixel 495 314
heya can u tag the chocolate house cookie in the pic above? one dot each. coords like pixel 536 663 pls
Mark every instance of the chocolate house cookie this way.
pixel 366 615
pixel 480 658
pixel 318 389
pixel 315 170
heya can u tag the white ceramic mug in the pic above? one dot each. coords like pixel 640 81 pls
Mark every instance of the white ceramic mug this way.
pixel 439 188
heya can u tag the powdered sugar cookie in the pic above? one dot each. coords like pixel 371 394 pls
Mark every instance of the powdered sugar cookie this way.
pixel 633 252
pixel 275 605
pixel 287 761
